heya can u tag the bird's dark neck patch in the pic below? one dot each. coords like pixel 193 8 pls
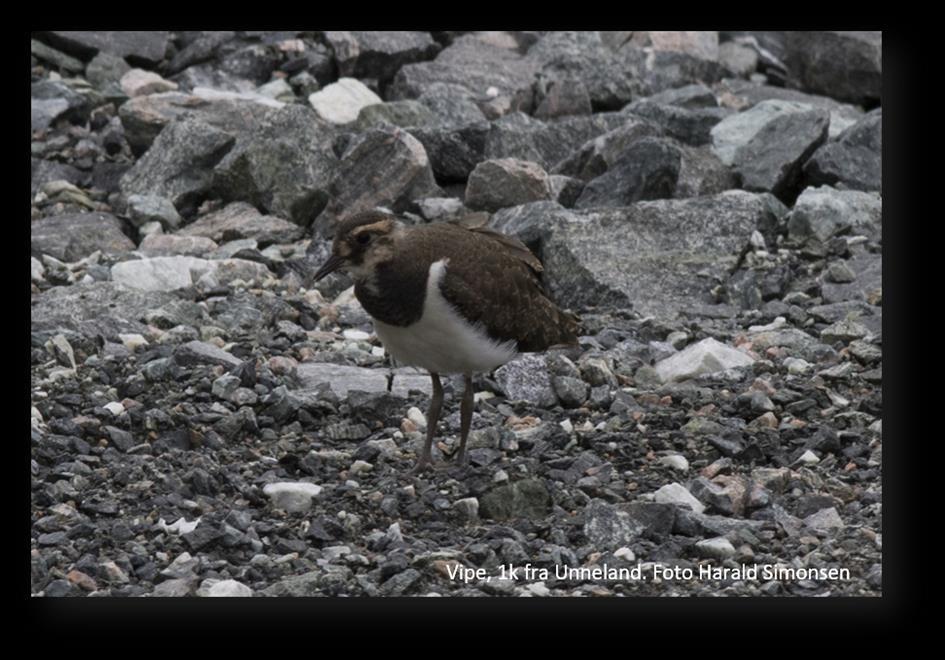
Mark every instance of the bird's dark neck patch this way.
pixel 396 293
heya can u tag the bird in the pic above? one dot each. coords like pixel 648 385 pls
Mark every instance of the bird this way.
pixel 453 297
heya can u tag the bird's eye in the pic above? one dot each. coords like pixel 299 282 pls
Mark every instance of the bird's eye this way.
pixel 364 238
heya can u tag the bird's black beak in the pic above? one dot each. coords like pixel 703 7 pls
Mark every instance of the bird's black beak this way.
pixel 334 263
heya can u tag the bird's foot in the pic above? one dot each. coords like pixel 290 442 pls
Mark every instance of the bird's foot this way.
pixel 462 458
pixel 424 463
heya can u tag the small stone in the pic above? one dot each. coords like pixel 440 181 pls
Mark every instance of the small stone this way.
pixel 824 520
pixel 115 408
pixel 797 366
pixel 716 548
pixel 705 357
pixel 417 417
pixel 133 341
pixel 360 466
pixel 677 494
pixel 356 335
pixel 341 102
pixel 468 508
pixel 676 462
pixel 808 458
pixel 292 496
pixel 36 270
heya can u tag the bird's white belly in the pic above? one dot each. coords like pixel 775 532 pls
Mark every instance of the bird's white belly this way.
pixel 442 341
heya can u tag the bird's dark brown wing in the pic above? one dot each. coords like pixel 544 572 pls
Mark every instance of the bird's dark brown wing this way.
pixel 493 279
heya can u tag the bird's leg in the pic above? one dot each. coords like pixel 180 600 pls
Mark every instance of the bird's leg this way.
pixel 465 419
pixel 433 415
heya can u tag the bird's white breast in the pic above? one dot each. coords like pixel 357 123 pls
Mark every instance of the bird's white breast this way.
pixel 442 341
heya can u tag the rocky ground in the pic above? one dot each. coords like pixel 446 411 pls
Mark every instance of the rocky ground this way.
pixel 204 424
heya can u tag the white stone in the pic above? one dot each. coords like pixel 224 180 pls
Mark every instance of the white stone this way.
pixel 178 272
pixel 625 553
pixel 808 458
pixel 468 507
pixel 138 82
pixel 774 325
pixel 417 417
pixel 356 335
pixel 360 466
pixel 35 414
pixel 500 477
pixel 292 496
pixel 717 548
pixel 797 366
pixel 36 270
pixel 676 462
pixel 536 589
pixel 133 341
pixel 340 102
pixel 567 426
pixel 180 526
pixel 229 589
pixel 676 493
pixel 824 520
pixel 378 351
pixel 276 89
pixel 737 130
pixel 705 357
pixel 114 408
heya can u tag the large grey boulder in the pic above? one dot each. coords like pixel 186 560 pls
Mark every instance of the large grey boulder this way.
pixel 660 257
pixel 496 184
pixel 823 212
pixel 854 161
pixel 73 236
pixel 146 47
pixel 845 65
pixel 647 169
pixel 239 220
pixel 379 54
pixel 179 165
pixel 598 154
pixel 284 167
pixel 382 167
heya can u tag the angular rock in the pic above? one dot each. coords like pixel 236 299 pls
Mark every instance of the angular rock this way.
pixel 340 102
pixel 195 353
pixel 496 184
pixel 701 173
pixel 397 113
pixel 470 62
pixel 227 589
pixel 607 527
pixel 44 171
pixel 451 105
pixel 658 256
pixel 703 44
pixel 736 131
pixel 717 548
pixel 454 151
pixel 528 498
pixel 382 167
pixel 104 72
pixel 676 494
pixel 844 65
pixel 519 136
pixel 824 520
pixel 599 154
pixel 44 112
pixel 144 117
pixel 559 98
pixel 160 273
pixel 526 378
pixel 292 496
pixel 705 357
pixel 821 213
pixel 138 82
pixel 854 161
pixel 178 165
pixel 379 55
pixel 239 220
pixel 341 379
pixel 283 167
pixel 167 245
pixel 147 47
pixel 867 285
pixel 74 236
pixel 143 209
pixel 688 118
pixel 772 160
pixel 60 60
pixel 647 169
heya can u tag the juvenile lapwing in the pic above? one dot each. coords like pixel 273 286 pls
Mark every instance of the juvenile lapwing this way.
pixel 449 297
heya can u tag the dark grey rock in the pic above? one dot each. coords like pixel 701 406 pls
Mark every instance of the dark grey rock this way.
pixel 647 255
pixel 565 190
pixel 701 173
pixel 254 62
pixel 687 124
pixel 73 236
pixel 179 165
pixel 56 58
pixel 44 171
pixel 559 98
pixel 599 154
pixel 854 160
pixel 844 65
pixel 195 353
pixel 201 49
pixel 526 378
pixel 692 96
pixel 144 47
pixel 608 527
pixel 402 583
pixel 454 151
pixel 284 167
pixel 379 55
pixel 572 392
pixel 382 167
pixel 867 285
pixel 452 105
pixel 519 136
pixel 528 498
pixel 470 62
pixel 771 161
pixel 647 169
pixel 105 71
pixel 239 220
pixel 496 184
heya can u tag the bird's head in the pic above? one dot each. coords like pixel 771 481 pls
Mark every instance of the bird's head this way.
pixel 362 241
